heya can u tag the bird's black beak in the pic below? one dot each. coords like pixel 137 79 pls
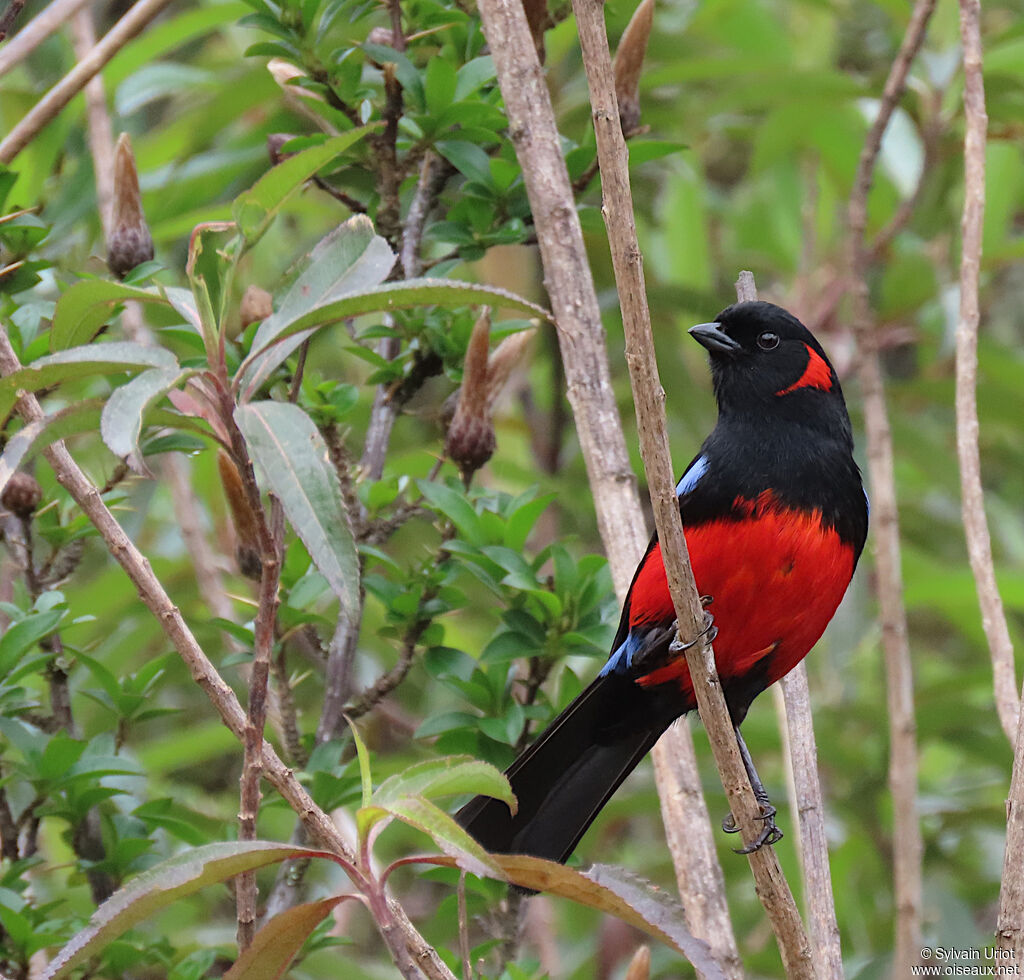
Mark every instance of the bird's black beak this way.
pixel 715 339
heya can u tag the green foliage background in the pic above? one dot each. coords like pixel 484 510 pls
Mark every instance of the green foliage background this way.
pixel 757 111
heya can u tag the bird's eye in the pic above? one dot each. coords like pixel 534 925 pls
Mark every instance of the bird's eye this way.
pixel 768 340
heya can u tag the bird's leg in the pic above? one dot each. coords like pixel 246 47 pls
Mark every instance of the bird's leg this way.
pixel 770 834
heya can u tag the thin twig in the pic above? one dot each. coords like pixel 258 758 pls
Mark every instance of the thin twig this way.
pixel 810 809
pixel 907 847
pixel 403 937
pixel 979 542
pixel 802 752
pixel 434 172
pixel 52 18
pixel 252 766
pixel 10 17
pixel 44 111
pixel 99 130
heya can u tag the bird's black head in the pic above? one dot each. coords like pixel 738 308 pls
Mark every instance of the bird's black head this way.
pixel 764 360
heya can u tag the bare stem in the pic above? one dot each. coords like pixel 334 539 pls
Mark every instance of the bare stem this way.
pixel 52 18
pixel 44 111
pixel 907 847
pixel 689 833
pixel 979 543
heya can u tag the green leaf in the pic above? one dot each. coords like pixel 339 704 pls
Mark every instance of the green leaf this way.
pixel 365 775
pixel 163 885
pixel 446 833
pixel 400 296
pixel 472 76
pixel 445 777
pixel 351 259
pixel 81 362
pixel 276 944
pixel 469 159
pixel 79 417
pixel 121 423
pixel 296 466
pixel 453 505
pixel 20 637
pixel 86 305
pixel 258 206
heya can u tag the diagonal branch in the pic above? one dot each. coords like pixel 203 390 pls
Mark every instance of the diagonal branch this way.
pixel 402 941
pixel 50 105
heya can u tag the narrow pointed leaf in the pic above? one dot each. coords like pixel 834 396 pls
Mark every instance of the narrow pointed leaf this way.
pixel 163 885
pixel 446 833
pixel 352 258
pixel 126 408
pixel 257 207
pixel 85 306
pixel 390 296
pixel 276 944
pixel 81 362
pixel 294 461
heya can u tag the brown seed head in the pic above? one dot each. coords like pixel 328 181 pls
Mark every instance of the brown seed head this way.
pixel 257 304
pixel 471 440
pixel 129 242
pixel 629 63
pixel 22 494
pixel 247 550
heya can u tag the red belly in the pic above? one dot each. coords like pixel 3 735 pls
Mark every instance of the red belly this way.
pixel 776 578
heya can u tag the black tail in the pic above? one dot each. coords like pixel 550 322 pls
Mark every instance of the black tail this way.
pixel 564 779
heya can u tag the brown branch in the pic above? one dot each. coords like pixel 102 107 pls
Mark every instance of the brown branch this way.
pixel 979 543
pixel 44 111
pixel 649 397
pixel 907 847
pixel 802 751
pixel 402 938
pixel 434 173
pixel 10 17
pixel 570 285
pixel 52 18
pixel 252 766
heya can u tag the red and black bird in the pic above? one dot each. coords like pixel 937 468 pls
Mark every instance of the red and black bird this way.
pixel 775 518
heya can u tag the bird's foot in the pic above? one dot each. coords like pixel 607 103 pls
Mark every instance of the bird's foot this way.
pixel 706 635
pixel 770 832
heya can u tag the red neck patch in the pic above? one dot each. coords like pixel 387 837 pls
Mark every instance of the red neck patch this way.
pixel 817 374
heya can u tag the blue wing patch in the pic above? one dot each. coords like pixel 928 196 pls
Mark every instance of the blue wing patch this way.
pixel 692 476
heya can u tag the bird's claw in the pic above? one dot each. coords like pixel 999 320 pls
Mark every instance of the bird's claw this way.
pixel 770 833
pixel 706 635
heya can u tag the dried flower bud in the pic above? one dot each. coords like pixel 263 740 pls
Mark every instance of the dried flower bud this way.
pixel 629 63
pixel 470 441
pixel 383 36
pixel 247 551
pixel 640 964
pixel 506 356
pixel 129 242
pixel 22 494
pixel 257 304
